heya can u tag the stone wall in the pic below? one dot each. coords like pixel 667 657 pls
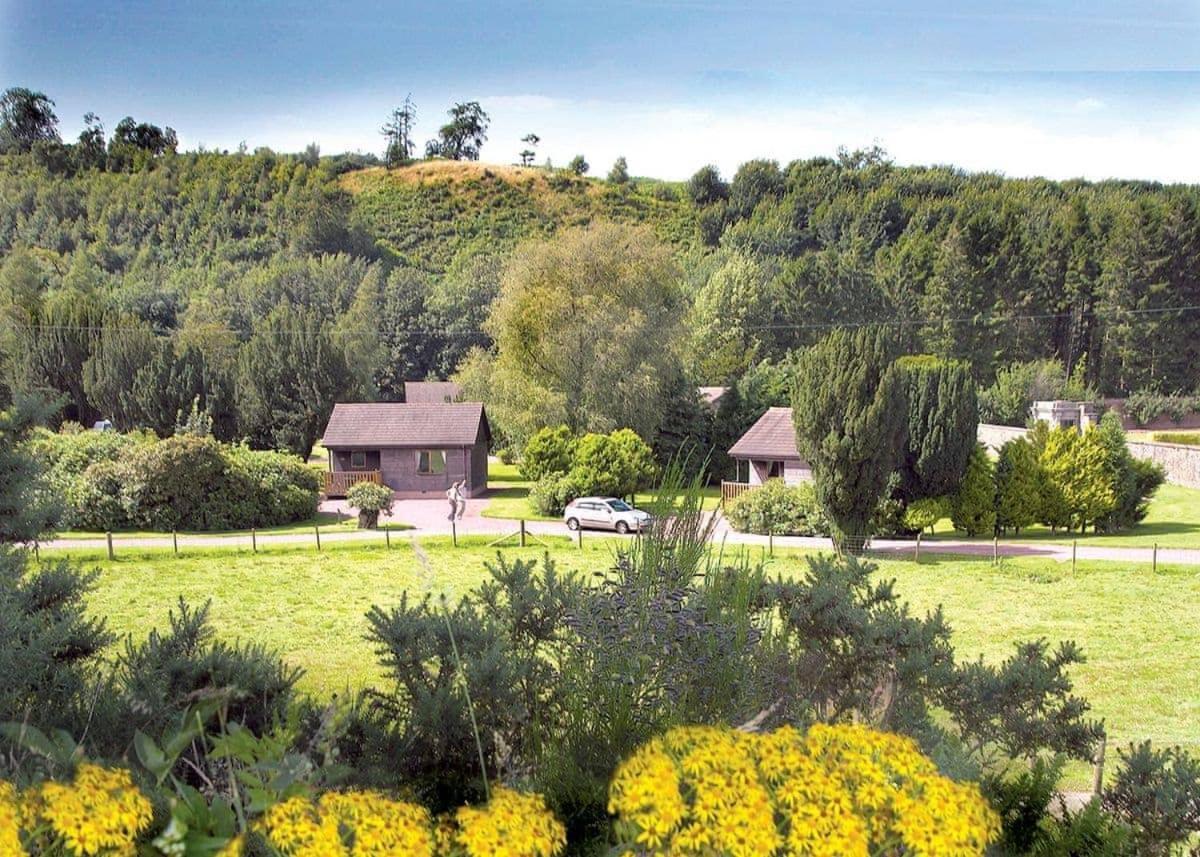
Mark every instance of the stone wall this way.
pixel 1181 463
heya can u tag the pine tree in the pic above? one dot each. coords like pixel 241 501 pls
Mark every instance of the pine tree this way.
pixel 973 509
pixel 851 425
pixel 1018 486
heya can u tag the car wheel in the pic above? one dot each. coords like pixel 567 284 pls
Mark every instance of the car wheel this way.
pixel 622 527
pixel 572 523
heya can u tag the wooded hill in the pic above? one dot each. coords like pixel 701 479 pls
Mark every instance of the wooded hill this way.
pixel 269 285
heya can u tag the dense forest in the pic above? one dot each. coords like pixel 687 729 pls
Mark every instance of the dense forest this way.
pixel 136 281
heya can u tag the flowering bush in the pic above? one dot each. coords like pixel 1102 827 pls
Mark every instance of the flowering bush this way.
pixel 100 812
pixel 510 823
pixel 369 498
pixel 355 824
pixel 836 790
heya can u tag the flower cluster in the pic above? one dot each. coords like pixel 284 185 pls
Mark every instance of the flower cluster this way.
pixel 348 824
pixel 836 790
pixel 511 824
pixel 100 812
pixel 10 822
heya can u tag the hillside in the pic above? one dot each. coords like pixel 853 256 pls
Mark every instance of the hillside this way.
pixel 132 292
pixel 428 212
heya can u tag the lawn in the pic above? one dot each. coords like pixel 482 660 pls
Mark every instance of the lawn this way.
pixel 509 495
pixel 1173 521
pixel 1140 631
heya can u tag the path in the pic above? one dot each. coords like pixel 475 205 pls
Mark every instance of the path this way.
pixel 428 518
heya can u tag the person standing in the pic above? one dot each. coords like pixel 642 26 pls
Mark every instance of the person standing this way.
pixel 460 498
pixel 452 495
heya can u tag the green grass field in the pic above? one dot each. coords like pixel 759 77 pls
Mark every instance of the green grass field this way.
pixel 1173 521
pixel 1140 631
pixel 510 495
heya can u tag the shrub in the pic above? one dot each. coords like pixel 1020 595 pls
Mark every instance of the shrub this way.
pixel 369 498
pixel 923 514
pixel 1144 407
pixel 551 494
pixel 1186 438
pixel 974 507
pixel 112 481
pixel 705 790
pixel 97 498
pixel 1157 793
pixel 550 450
pixel 779 509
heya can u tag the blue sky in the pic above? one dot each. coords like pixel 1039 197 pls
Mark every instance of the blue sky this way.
pixel 1093 89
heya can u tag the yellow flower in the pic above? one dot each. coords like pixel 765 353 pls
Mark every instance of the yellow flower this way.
pixel 10 822
pixel 100 811
pixel 348 824
pixel 511 824
pixel 837 790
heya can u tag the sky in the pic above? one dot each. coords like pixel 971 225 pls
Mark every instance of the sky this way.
pixel 1094 89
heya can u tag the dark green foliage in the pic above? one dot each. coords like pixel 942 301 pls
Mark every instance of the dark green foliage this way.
pixel 779 509
pixel 973 508
pixel 550 450
pixel 578 165
pixel 500 645
pixel 170 671
pixel 1145 406
pixel 462 138
pixel 1022 801
pixel 1019 485
pixel 943 420
pixel 1090 832
pixel 290 373
pixel 619 174
pixel 1134 480
pixel 1156 793
pixel 754 182
pixel 26 119
pixel 706 187
pixel 49 646
pixel 851 425
pixel 110 480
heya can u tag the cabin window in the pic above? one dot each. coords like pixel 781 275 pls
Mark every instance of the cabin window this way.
pixel 431 461
pixel 358 461
pixel 776 471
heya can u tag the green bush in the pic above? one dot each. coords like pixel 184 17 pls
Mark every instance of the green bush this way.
pixel 1144 407
pixel 778 508
pixel 923 514
pixel 550 450
pixel 112 481
pixel 550 494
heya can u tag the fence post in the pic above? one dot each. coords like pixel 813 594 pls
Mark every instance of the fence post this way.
pixel 108 538
pixel 770 544
pixel 317 530
pixel 917 552
pixel 387 536
pixel 175 541
pixel 1098 766
pixel 995 549
pixel 1154 561
pixel 522 532
pixel 1074 546
pixel 37 555
pixel 254 539
pixel 454 532
pixel 579 533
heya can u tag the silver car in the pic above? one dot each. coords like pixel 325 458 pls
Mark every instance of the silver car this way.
pixel 604 513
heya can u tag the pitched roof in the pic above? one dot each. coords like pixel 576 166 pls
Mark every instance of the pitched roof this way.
pixel 712 395
pixel 387 424
pixel 416 392
pixel 772 437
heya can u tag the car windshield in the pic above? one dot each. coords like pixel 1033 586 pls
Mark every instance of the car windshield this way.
pixel 619 506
